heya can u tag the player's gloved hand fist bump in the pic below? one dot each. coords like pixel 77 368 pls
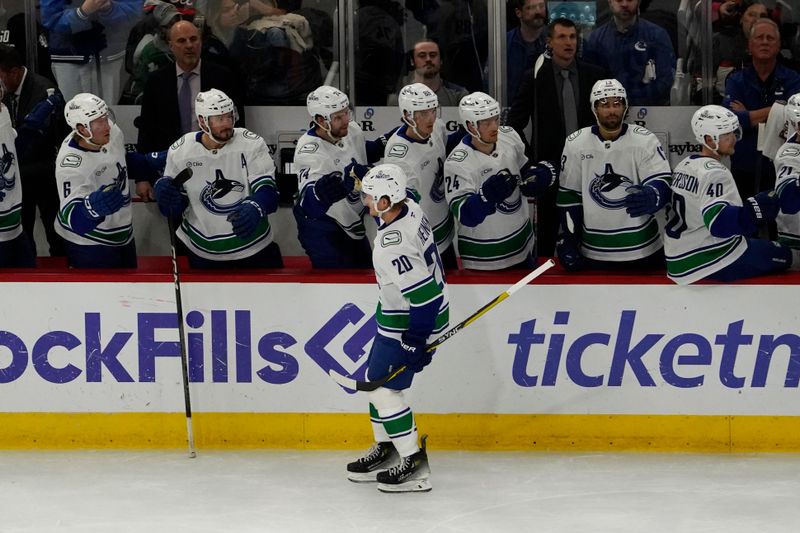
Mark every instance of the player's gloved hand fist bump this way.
pixel 417 357
pixel 246 218
pixel 354 170
pixel 641 200
pixel 171 201
pixel 330 188
pixel 105 201
pixel 569 253
pixel 538 177
pixel 763 207
pixel 498 187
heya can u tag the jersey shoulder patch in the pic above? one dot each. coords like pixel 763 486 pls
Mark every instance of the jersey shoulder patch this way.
pixel 71 161
pixel 177 143
pixel 391 238
pixel 309 148
pixel 789 151
pixel 506 129
pixel 397 150
pixel 574 135
pixel 457 155
pixel 247 134
pixel 639 130
pixel 714 165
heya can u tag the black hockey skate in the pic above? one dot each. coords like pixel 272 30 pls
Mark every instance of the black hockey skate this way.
pixel 380 456
pixel 411 475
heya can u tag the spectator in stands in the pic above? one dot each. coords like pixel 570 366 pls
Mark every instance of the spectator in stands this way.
pixel 87 43
pixel 379 55
pixel 426 60
pixel 461 29
pixel 637 53
pixel 526 42
pixel 555 114
pixel 24 91
pixel 730 50
pixel 750 93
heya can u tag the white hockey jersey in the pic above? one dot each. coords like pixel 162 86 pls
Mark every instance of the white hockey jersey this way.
pixel 423 163
pixel 11 204
pixel 221 179
pixel 315 157
pixel 787 168
pixel 595 174
pixel 505 237
pixel 409 273
pixel 80 172
pixel 701 188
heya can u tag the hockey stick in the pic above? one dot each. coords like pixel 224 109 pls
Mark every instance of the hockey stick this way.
pixel 353 384
pixel 182 177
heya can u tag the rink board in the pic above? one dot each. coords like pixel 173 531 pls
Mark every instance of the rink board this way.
pixel 567 363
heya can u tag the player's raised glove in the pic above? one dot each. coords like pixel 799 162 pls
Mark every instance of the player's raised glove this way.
pixel 537 178
pixel 569 254
pixel 642 200
pixel 171 202
pixel 330 189
pixel 761 208
pixel 37 119
pixel 413 345
pixel 246 218
pixel 354 172
pixel 105 201
pixel 498 187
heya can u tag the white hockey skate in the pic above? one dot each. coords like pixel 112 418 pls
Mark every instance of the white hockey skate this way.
pixel 411 475
pixel 380 456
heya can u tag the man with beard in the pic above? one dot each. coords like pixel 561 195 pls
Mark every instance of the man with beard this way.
pixel 525 43
pixel 427 62
pixel 226 203
pixel 614 179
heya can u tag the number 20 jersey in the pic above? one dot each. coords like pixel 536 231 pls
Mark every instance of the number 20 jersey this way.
pixel 701 188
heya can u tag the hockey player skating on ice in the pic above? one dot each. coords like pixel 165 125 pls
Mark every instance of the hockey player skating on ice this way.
pixel 15 248
pixel 232 190
pixel 485 178
pixel 787 172
pixel 413 308
pixel 614 179
pixel 708 224
pixel 419 147
pixel 92 169
pixel 330 158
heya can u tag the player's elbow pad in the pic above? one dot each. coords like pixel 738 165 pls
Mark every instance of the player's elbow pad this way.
pixel 474 211
pixel 732 220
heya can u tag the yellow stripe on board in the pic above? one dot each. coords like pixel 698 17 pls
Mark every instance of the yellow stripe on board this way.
pixel 449 431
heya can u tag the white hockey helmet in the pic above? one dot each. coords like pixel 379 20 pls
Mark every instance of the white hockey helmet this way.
pixel 416 97
pixel 211 103
pixel 604 89
pixel 385 180
pixel 325 101
pixel 82 110
pixel 792 113
pixel 714 121
pixel 477 106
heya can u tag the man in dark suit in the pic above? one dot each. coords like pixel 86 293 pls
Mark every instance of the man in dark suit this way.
pixel 168 96
pixel 541 99
pixel 23 91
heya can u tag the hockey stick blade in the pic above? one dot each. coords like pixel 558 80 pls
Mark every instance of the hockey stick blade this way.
pixel 367 386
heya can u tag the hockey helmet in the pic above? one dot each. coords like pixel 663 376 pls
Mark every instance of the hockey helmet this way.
pixel 82 110
pixel 385 180
pixel 714 121
pixel 416 97
pixel 211 103
pixel 477 106
pixel 325 101
pixel 792 113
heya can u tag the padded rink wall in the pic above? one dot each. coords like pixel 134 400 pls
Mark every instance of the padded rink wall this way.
pixel 568 363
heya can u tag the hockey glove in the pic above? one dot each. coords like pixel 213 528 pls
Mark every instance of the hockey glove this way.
pixel 171 201
pixel 246 218
pixel 37 119
pixel 569 253
pixel 157 161
pixel 759 209
pixel 353 174
pixel 498 187
pixel 330 189
pixel 105 201
pixel 642 200
pixel 537 178
pixel 417 357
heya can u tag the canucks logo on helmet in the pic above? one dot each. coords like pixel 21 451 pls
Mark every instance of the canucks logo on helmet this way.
pixel 609 189
pixel 214 194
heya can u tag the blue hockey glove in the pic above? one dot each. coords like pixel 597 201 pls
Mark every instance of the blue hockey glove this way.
pixel 171 202
pixel 417 357
pixel 569 253
pixel 37 119
pixel 330 189
pixel 537 178
pixel 157 161
pixel 105 201
pixel 641 200
pixel 761 208
pixel 498 187
pixel 246 218
pixel 354 172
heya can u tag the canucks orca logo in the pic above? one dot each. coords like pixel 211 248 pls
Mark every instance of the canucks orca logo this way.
pixel 214 194
pixel 122 177
pixel 609 188
pixel 6 181
pixel 437 188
